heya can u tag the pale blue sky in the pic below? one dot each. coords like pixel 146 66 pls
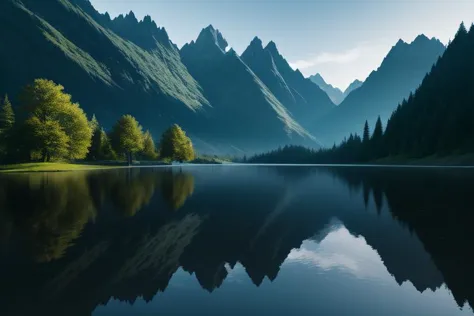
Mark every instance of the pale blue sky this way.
pixel 342 39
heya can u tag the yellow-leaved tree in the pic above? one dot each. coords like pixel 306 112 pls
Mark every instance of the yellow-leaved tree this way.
pixel 175 145
pixel 149 150
pixel 127 137
pixel 57 127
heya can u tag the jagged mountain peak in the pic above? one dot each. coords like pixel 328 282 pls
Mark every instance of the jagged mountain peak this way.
pixel 356 84
pixel 144 33
pixel 318 76
pixel 232 52
pixel 271 47
pixel 255 49
pixel 129 17
pixel 256 42
pixel 212 36
pixel 400 42
pixel 421 37
pixel 335 94
pixel 299 73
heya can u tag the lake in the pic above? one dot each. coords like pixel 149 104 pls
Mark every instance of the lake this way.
pixel 238 240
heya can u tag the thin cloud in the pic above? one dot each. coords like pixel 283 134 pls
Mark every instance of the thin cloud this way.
pixel 340 68
pixel 345 57
pixel 329 58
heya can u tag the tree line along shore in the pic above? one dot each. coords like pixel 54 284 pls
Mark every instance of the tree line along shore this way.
pixel 55 130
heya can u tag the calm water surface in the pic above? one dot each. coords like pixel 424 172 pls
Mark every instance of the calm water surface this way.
pixel 238 240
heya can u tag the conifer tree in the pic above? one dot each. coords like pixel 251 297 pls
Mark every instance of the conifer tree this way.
pixel 96 142
pixel 149 150
pixel 7 116
pixel 376 142
pixel 366 135
pixel 7 121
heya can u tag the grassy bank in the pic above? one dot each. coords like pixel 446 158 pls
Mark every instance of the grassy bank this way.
pixel 65 166
pixel 50 167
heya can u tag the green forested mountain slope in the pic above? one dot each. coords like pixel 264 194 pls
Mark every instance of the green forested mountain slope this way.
pixel 140 72
pixel 126 66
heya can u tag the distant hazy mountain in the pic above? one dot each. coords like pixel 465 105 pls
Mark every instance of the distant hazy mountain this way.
pixel 400 73
pixel 245 113
pixel 302 98
pixel 335 94
pixel 356 84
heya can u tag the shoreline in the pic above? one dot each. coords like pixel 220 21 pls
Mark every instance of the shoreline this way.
pixel 70 167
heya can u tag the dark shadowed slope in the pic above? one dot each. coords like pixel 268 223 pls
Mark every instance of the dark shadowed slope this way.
pixel 437 119
pixel 301 97
pixel 245 113
pixel 400 73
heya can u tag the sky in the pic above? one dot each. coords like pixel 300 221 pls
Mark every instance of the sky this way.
pixel 343 40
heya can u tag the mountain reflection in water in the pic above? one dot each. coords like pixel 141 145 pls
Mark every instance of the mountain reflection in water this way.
pixel 346 241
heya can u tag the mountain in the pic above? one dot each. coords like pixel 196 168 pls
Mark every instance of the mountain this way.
pixel 437 118
pixel 400 73
pixel 245 113
pixel 302 98
pixel 111 67
pixel 356 84
pixel 126 66
pixel 335 94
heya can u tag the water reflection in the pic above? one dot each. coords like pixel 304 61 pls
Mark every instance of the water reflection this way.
pixel 72 241
pixel 50 210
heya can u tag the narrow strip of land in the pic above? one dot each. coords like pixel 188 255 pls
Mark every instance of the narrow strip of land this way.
pixel 52 167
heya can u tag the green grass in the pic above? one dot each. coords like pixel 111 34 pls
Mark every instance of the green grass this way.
pixel 49 167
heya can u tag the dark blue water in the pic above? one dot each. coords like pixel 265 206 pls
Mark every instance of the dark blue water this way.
pixel 238 240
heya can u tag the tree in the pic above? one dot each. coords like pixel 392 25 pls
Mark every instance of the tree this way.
pixel 175 145
pixel 7 121
pixel 94 124
pixel 52 114
pixel 127 137
pixel 49 139
pixel 107 152
pixel 77 128
pixel 149 150
pixel 7 116
pixel 377 139
pixel 366 135
pixel 101 148
pixel 95 151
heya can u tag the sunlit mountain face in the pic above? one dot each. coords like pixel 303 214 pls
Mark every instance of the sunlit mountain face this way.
pixel 242 239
